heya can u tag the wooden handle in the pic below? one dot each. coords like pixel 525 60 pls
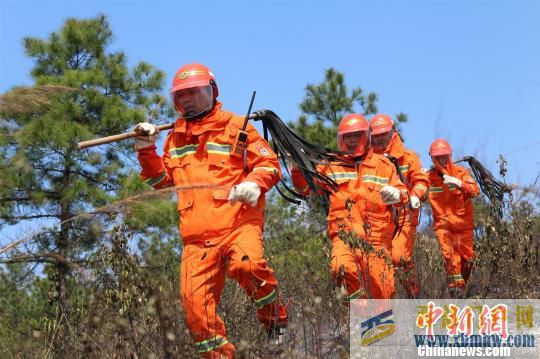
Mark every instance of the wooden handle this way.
pixel 115 138
pixel 123 136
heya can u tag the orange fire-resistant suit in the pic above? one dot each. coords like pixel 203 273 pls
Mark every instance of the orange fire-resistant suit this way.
pixel 453 218
pixel 417 183
pixel 364 272
pixel 214 232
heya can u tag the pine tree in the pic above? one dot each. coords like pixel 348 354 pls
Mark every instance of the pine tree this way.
pixel 325 104
pixel 44 176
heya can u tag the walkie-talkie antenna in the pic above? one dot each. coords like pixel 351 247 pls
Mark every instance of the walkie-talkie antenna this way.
pixel 249 110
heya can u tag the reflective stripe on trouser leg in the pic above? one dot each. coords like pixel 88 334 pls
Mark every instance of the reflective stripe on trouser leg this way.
pixel 261 302
pixel 211 344
pixel 455 280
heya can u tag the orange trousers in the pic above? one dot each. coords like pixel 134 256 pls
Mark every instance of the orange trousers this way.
pixel 402 259
pixel 203 270
pixel 458 252
pixel 364 274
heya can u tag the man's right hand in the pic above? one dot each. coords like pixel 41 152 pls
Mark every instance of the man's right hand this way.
pixel 390 195
pixel 415 202
pixel 148 135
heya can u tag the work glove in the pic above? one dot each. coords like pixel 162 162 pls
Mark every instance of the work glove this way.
pixel 247 192
pixel 451 182
pixel 148 135
pixel 390 195
pixel 415 202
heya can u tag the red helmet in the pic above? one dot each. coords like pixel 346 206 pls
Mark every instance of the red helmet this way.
pixel 440 147
pixel 354 123
pixel 381 123
pixel 194 90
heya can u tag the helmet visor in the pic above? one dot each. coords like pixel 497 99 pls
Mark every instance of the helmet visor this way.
pixel 354 143
pixel 193 101
pixel 441 160
pixel 381 140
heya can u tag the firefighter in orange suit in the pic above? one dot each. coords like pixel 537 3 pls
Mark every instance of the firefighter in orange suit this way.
pixel 385 140
pixel 362 205
pixel 451 190
pixel 222 215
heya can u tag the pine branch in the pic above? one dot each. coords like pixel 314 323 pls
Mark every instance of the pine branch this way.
pixel 45 257
pixel 15 199
pixel 22 218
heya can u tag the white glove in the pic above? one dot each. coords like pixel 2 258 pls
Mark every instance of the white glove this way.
pixel 415 202
pixel 451 182
pixel 247 192
pixel 390 195
pixel 148 135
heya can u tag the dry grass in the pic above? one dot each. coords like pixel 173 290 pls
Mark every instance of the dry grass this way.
pixel 122 307
pixel 26 100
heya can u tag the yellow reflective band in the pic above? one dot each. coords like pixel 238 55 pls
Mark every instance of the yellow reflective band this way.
pixel 183 151
pixel 218 148
pixel 404 168
pixel 155 180
pixel 336 176
pixel 435 189
pixel 375 179
pixel 358 294
pixel 266 299
pixel 269 169
pixel 211 344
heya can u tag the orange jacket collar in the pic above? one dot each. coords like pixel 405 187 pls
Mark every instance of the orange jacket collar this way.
pixel 395 147
pixel 216 119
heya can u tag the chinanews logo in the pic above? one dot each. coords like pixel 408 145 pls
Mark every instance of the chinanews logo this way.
pixel 377 328
pixel 411 328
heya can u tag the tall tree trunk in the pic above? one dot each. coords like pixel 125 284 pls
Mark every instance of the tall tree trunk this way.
pixel 62 343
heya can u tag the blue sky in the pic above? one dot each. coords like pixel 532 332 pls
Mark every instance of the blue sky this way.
pixel 468 71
